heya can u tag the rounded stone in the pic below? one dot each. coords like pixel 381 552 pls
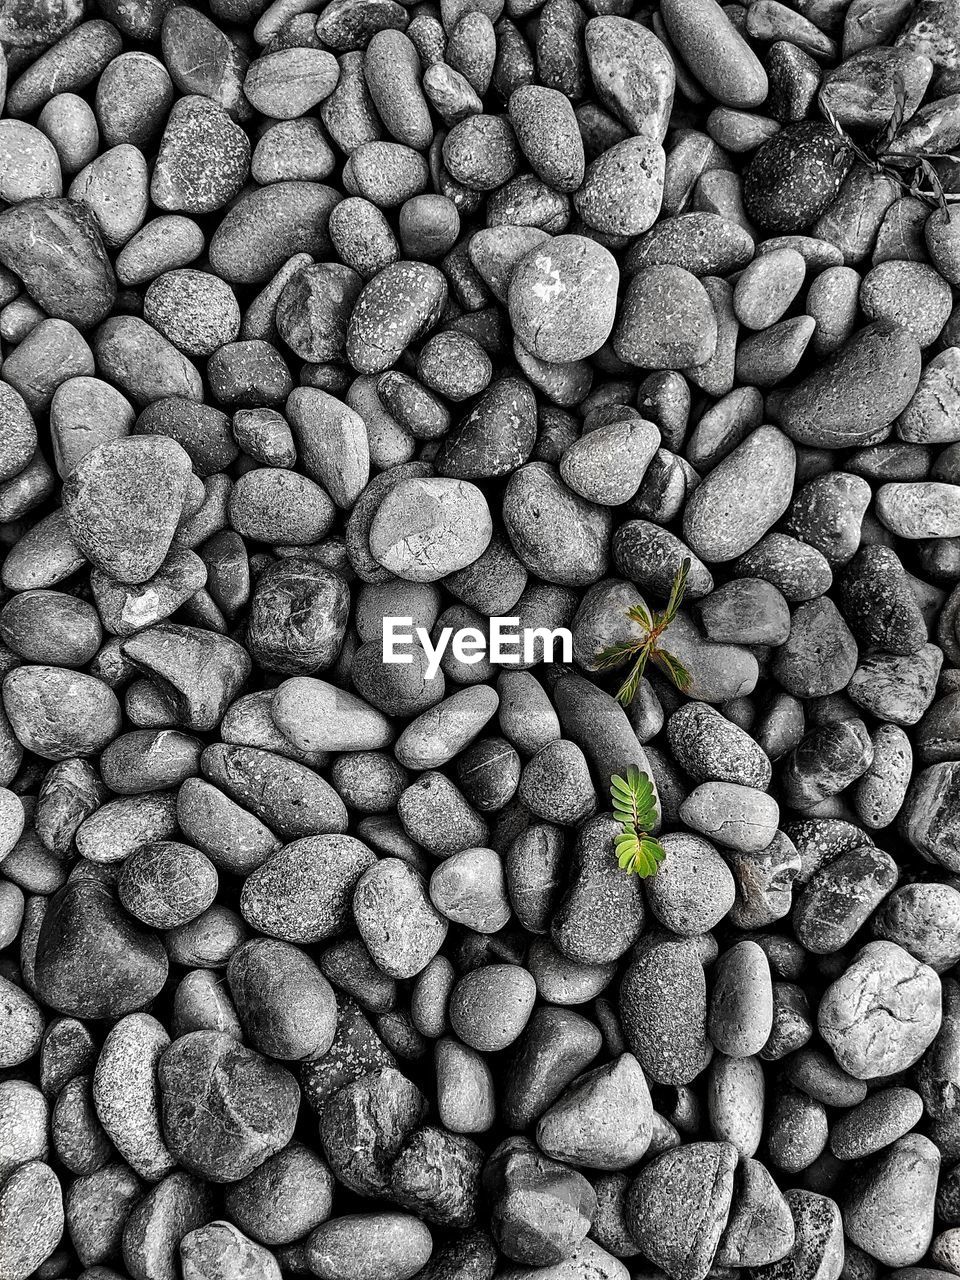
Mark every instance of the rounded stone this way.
pixel 882 1012
pixel 562 298
pixel 399 925
pixel 225 1108
pixel 427 528
pixel 857 393
pixel 489 1007
pixel 666 321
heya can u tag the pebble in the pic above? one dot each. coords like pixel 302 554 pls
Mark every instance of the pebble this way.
pixel 859 392
pixel 490 1006
pixel 85 926
pixel 390 1245
pixel 425 529
pixel 760 1229
pixel 920 510
pixel 663 982
pixel 31 1218
pixel 402 302
pixel 889 1209
pixel 303 893
pixel 677 1207
pixel 757 477
pixel 562 298
pixel 919 917
pixel 882 1012
pixel 834 907
pixel 603 1121
pixel 694 888
pixel 469 888
pixel 877 1122
pixel 541 1210
pixel 701 243
pixel 716 53
pixel 55 247
pixel 397 922
pixel 736 816
pixel 206 1076
pixel 556 534
pixel 601 913
pixel 622 190
pixel 667 320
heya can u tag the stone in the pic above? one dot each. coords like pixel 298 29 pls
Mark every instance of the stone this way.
pixel 541 1209
pixel 604 1120
pixel 399 925
pixel 858 392
pixel 425 529
pixel 716 53
pixel 54 245
pixel 562 298
pixel 663 1008
pixel 666 321
pixel 678 1205
pixel 366 1124
pixel 225 1108
pixel 882 1012
pixel 93 960
pixel 889 1210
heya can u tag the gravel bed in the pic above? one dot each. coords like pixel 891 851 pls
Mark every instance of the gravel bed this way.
pixel 632 323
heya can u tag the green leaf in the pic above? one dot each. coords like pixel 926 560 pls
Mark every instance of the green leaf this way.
pixel 642 650
pixel 646 809
pixel 677 591
pixel 635 808
pixel 674 668
pixel 628 690
pixel 625 861
pixel 650 854
pixel 639 855
pixel 640 613
pixel 614 654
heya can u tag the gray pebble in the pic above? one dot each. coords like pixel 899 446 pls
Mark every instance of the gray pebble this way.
pixel 603 1120
pixel 396 919
pixel 124 1093
pixel 736 816
pixel 741 1003
pixel 667 320
pixel 888 1212
pixel 678 1206
pixel 879 1120
pixel 693 889
pixel 208 1076
pixel 490 1006
pixel 882 1012
pixel 663 1008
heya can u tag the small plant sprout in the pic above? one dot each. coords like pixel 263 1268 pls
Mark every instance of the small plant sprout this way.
pixel 913 170
pixel 635 808
pixel 646 648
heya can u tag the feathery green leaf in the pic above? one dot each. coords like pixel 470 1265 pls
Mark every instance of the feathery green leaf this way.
pixel 674 668
pixel 635 808
pixel 640 613
pixel 677 591
pixel 628 690
pixel 614 654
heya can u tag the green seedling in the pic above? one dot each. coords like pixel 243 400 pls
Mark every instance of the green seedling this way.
pixel 635 808
pixel 646 647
